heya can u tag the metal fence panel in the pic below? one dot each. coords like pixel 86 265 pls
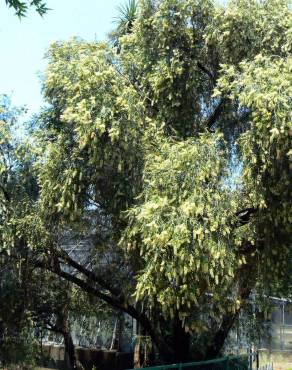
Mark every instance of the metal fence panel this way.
pixel 224 363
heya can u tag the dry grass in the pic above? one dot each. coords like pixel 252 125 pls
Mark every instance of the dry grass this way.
pixel 282 366
pixel 280 360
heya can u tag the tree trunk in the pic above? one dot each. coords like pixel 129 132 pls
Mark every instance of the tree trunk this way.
pixel 70 355
pixel 71 361
pixel 181 342
pixel 137 353
pixel 214 350
pixel 246 277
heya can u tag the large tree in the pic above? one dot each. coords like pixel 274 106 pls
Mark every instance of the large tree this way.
pixel 171 158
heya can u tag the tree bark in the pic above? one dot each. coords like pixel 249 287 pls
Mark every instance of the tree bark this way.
pixel 214 350
pixel 70 351
pixel 181 342
pixel 246 277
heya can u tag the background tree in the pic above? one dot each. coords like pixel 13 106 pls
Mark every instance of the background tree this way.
pixel 124 21
pixel 33 300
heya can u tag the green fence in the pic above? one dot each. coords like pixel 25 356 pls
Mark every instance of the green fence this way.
pixel 224 363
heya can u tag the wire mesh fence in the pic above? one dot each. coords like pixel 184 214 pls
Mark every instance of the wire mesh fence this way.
pixel 266 367
pixel 224 363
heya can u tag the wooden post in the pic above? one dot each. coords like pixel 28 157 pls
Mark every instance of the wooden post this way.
pixel 249 351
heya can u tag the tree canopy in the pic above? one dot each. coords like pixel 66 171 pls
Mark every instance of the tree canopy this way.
pixel 169 153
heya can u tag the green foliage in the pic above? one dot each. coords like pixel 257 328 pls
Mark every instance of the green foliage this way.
pixel 265 87
pixel 18 185
pixel 18 345
pixel 168 46
pixel 247 28
pixel 21 7
pixel 184 222
pixel 136 153
pixel 19 353
pixel 126 18
pixel 136 123
pixel 97 136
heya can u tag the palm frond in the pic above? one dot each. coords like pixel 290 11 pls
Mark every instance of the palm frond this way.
pixel 127 12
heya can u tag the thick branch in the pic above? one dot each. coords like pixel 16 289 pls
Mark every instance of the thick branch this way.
pixel 243 216
pixel 206 71
pixel 82 284
pixel 226 325
pixel 89 274
pixel 53 328
pixel 215 115
pixel 245 277
pixel 5 193
pixel 115 302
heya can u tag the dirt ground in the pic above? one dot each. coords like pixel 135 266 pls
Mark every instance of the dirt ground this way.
pixel 280 360
pixel 282 366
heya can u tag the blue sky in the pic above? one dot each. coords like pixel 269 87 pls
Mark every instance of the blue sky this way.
pixel 24 43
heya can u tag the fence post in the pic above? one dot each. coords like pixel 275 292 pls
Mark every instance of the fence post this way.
pixel 249 351
pixel 227 363
pixel 257 360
